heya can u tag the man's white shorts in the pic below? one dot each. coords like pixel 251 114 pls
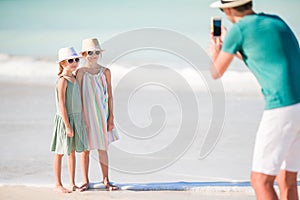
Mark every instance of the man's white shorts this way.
pixel 277 143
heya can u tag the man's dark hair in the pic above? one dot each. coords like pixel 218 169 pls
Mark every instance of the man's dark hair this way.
pixel 244 7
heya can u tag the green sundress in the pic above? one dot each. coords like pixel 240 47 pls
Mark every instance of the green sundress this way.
pixel 61 144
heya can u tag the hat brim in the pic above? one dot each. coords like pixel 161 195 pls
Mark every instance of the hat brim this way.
pixel 219 4
pixel 70 57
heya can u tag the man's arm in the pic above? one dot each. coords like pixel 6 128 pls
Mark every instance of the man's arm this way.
pixel 220 59
pixel 220 63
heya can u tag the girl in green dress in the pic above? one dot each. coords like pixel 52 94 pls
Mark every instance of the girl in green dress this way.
pixel 69 132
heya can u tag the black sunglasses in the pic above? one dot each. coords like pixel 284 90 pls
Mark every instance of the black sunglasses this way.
pixel 70 61
pixel 92 52
pixel 222 9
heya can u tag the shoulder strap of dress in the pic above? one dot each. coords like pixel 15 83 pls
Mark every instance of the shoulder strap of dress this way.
pixel 61 76
pixel 66 78
pixel 102 69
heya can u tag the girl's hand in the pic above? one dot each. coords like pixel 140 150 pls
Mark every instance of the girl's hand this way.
pixel 69 132
pixel 110 124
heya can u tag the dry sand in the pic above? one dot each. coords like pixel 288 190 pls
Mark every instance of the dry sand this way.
pixel 29 193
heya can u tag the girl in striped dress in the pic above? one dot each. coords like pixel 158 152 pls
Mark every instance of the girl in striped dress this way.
pixel 69 133
pixel 95 83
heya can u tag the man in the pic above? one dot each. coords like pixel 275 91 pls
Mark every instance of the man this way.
pixel 271 51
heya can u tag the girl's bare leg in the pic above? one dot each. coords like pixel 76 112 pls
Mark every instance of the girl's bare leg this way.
pixel 85 170
pixel 72 165
pixel 57 173
pixel 103 157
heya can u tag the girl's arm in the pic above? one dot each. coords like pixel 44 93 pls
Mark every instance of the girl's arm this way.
pixel 79 75
pixel 62 86
pixel 110 121
pixel 79 78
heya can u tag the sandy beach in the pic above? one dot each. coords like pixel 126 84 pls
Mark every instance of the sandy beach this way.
pixel 26 121
pixel 26 193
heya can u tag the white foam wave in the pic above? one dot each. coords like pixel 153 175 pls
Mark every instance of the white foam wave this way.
pixel 27 69
pixel 234 82
pixel 44 71
pixel 218 189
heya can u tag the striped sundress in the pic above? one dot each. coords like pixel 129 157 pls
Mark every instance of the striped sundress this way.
pixel 61 144
pixel 95 107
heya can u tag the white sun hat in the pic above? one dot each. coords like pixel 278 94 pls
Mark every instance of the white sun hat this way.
pixel 229 3
pixel 67 53
pixel 90 44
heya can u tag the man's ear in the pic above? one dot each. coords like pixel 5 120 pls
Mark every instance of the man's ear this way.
pixel 227 11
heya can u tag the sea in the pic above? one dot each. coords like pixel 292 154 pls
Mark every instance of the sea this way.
pixel 175 122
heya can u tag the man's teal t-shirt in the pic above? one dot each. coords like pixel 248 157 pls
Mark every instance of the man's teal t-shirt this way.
pixel 271 51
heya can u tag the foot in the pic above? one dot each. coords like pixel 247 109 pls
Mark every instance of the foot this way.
pixel 62 189
pixel 74 188
pixel 84 187
pixel 109 186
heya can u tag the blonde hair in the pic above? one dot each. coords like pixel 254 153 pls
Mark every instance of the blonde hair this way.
pixel 61 69
pixel 84 53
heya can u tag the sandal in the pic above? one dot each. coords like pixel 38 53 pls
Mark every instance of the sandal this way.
pixel 84 187
pixel 108 186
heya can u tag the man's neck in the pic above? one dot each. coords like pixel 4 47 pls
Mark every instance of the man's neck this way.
pixel 239 15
